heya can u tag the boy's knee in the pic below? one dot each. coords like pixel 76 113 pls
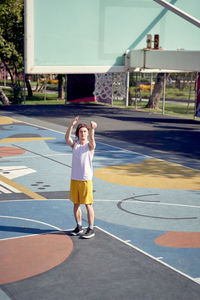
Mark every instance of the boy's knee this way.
pixel 89 206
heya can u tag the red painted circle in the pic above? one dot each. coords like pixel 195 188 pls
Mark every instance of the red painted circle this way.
pixel 28 256
pixel 179 239
pixel 11 151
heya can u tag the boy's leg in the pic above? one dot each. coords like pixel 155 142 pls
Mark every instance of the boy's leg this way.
pixel 77 213
pixel 90 214
pixel 78 218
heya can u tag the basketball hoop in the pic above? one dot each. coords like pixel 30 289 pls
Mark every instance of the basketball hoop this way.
pixel 110 86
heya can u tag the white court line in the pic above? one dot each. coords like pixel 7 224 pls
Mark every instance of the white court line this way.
pixel 197 280
pixel 148 202
pixel 29 220
pixel 112 200
pixel 149 255
pixel 7 189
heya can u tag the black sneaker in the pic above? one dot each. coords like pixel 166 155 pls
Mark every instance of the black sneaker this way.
pixel 78 230
pixel 89 234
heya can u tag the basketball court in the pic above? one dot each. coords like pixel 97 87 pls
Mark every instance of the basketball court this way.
pixel 146 167
pixel 146 212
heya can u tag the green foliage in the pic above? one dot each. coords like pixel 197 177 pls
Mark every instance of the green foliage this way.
pixel 11 40
pixel 11 31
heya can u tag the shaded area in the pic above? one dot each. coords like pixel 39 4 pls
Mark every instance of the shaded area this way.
pixel 24 230
pixel 80 87
pixel 179 136
pixel 182 142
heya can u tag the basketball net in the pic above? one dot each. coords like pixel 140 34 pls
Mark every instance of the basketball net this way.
pixel 109 87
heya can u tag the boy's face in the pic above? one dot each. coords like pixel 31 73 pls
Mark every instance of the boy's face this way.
pixel 83 134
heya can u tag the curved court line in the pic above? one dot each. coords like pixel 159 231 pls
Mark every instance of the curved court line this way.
pixel 162 203
pixel 142 202
pixel 145 195
pixel 136 201
pixel 29 220
pixel 119 205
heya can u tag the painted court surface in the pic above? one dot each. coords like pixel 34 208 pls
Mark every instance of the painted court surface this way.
pixel 147 216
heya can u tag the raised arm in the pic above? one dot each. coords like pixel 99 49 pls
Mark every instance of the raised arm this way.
pixel 68 138
pixel 92 143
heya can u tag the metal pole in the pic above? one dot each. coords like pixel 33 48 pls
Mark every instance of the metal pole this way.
pixel 65 88
pixel 196 93
pixel 179 12
pixel 24 86
pixel 190 89
pixel 25 44
pixel 127 87
pixel 112 91
pixel 45 88
pixel 136 89
pixel 163 102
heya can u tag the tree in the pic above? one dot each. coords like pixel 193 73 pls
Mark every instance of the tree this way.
pixel 157 91
pixel 12 40
pixel 3 98
pixel 61 92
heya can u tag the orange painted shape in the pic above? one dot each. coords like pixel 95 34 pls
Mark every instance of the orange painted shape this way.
pixel 179 239
pixel 28 256
pixel 10 151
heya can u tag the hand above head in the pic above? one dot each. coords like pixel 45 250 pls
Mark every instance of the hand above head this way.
pixel 75 120
pixel 93 125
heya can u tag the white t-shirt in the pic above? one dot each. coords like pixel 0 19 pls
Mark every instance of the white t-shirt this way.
pixel 82 168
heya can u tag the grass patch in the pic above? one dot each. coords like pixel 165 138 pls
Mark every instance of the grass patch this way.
pixel 41 98
pixel 38 98
pixel 176 110
pixel 170 93
pixel 172 109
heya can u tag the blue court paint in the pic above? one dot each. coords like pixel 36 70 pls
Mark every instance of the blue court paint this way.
pixel 148 212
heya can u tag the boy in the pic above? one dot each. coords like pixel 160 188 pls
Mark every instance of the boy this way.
pixel 81 188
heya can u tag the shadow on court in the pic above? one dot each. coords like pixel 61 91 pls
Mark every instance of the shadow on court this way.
pixel 159 132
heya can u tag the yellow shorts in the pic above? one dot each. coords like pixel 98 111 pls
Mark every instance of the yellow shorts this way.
pixel 81 192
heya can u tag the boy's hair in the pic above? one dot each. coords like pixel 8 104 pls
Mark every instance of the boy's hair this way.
pixel 79 126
